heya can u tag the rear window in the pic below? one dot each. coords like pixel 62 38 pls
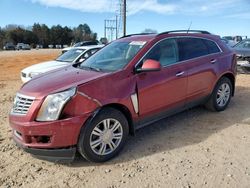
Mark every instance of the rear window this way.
pixel 212 47
pixel 190 48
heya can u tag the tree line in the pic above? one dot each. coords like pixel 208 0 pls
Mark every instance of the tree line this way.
pixel 43 35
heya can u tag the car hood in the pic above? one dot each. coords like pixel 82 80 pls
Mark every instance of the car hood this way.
pixel 243 52
pixel 59 80
pixel 45 66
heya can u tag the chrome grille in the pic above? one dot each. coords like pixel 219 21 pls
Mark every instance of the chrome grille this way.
pixel 22 104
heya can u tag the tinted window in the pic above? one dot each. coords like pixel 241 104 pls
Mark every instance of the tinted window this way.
pixel 89 43
pixel 191 48
pixel 212 47
pixel 165 52
pixel 85 43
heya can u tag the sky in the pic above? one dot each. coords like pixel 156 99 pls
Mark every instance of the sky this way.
pixel 221 17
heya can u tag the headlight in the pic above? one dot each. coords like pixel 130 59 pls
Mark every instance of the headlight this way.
pixel 53 105
pixel 33 74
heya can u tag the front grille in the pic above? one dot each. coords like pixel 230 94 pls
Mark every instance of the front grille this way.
pixel 22 104
pixel 23 75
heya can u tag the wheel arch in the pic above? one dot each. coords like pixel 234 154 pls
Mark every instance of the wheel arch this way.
pixel 126 112
pixel 231 77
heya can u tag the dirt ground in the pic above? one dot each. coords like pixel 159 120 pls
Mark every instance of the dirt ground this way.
pixel 196 148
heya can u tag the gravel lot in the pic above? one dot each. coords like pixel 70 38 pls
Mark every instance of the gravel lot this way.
pixel 196 148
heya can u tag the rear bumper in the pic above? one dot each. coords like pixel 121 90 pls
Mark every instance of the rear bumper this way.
pixel 65 155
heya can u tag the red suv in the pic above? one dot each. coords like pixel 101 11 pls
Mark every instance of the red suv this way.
pixel 134 81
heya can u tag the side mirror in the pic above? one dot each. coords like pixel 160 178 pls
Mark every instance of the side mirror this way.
pixel 150 65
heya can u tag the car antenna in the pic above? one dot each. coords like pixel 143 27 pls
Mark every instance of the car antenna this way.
pixel 189 26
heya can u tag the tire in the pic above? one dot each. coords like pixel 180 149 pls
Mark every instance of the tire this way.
pixel 104 136
pixel 222 90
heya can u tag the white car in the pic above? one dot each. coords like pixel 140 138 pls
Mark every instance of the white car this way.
pixel 75 55
pixel 78 44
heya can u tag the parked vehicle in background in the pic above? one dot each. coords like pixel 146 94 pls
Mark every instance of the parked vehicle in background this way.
pixel 51 46
pixel 22 46
pixel 58 46
pixel 242 50
pixel 75 55
pixel 84 43
pixel 91 107
pixel 104 41
pixel 39 46
pixel 229 43
pixel 233 40
pixel 27 47
pixel 9 46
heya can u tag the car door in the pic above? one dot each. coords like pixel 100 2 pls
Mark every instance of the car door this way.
pixel 200 56
pixel 164 90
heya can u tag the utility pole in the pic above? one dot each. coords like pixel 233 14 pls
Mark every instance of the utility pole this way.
pixel 110 26
pixel 124 6
pixel 116 26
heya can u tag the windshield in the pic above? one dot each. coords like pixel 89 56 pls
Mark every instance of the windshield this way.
pixel 113 57
pixel 70 55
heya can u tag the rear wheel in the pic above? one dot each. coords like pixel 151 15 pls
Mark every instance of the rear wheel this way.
pixel 103 137
pixel 221 95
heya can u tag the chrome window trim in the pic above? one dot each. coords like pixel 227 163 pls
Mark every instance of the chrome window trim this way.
pixel 179 62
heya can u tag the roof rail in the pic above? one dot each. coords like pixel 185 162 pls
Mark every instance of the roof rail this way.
pixel 137 34
pixel 185 31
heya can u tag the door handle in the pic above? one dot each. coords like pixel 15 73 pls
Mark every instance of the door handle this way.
pixel 213 61
pixel 178 74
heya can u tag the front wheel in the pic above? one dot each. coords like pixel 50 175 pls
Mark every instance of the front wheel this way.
pixel 103 137
pixel 221 95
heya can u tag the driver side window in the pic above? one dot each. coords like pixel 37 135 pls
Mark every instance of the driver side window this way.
pixel 166 52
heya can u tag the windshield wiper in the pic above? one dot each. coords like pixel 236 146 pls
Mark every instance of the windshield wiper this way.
pixel 91 68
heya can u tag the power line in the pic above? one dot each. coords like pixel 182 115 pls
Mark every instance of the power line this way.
pixel 110 29
pixel 118 25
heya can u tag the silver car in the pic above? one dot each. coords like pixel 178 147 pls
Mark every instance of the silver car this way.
pixel 242 50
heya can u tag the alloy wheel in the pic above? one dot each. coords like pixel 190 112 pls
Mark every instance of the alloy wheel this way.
pixel 106 136
pixel 223 94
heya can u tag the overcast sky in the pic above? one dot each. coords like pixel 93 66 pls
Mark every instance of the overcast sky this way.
pixel 222 17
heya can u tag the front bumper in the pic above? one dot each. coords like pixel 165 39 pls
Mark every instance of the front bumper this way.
pixel 65 155
pixel 54 140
